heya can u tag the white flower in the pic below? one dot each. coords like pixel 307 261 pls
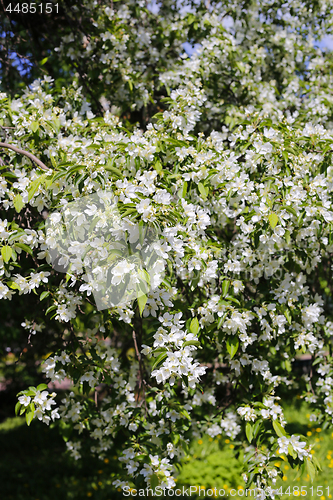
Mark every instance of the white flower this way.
pixel 162 196
pixel 90 378
pixel 299 447
pixel 24 400
pixel 55 414
pixel 265 413
pixel 310 314
pixel 283 443
pixel 40 397
pixel 119 271
pixel 247 413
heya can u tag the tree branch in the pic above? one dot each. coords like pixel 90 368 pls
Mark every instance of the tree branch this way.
pixel 25 153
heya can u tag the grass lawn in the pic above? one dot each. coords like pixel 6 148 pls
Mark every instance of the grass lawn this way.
pixel 213 463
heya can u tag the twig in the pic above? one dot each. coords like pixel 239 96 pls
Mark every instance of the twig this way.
pixel 321 152
pixel 136 347
pixel 25 153
pixel 142 381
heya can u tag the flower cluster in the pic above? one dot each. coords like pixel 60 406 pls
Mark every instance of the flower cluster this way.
pixel 37 403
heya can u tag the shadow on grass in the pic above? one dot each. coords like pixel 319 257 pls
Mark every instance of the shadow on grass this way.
pixel 296 417
pixel 33 467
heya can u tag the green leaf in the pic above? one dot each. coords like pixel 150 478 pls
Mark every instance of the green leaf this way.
pixel 159 360
pixel 18 203
pixel 44 295
pixel 327 148
pixel 17 408
pixel 145 277
pixel 154 481
pixel 15 235
pixel 248 456
pixel 8 174
pixel 158 166
pixel 233 299
pixel 203 191
pixel 34 126
pixel 300 218
pixel 249 432
pixel 113 170
pixel 292 452
pixel 273 219
pixel 35 185
pixel 221 320
pixel 191 342
pixel 128 212
pixel 289 209
pixel 24 247
pixel 300 471
pixel 6 253
pixel 29 415
pixel 256 428
pixel 316 462
pixel 142 300
pixel 54 165
pixel 250 478
pixel 41 387
pixel 183 190
pixel 232 345
pixel 13 285
pixel 288 316
pixel 43 61
pixel 186 414
pixel 55 124
pixel 225 287
pixel 158 350
pixel 287 236
pixel 194 326
pixel 65 430
pixel 311 469
pixel 49 309
pixel 279 429
pixel 240 66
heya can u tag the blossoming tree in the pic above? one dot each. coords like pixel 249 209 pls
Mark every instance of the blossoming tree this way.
pixel 194 329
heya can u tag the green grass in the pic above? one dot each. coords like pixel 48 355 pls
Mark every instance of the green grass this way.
pixel 213 463
pixel 322 442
